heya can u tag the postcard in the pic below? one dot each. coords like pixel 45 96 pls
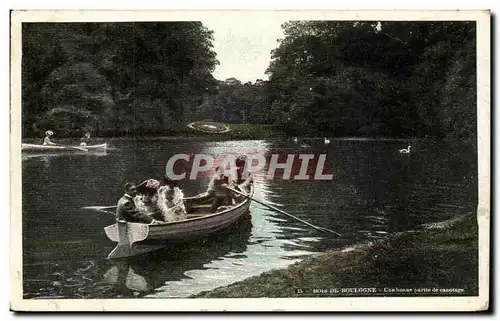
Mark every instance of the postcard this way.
pixel 250 160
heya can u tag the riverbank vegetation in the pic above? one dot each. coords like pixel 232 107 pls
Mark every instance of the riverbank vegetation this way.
pixel 431 257
pixel 326 78
pixel 395 79
pixel 114 78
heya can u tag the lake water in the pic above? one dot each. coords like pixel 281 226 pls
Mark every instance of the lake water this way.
pixel 375 191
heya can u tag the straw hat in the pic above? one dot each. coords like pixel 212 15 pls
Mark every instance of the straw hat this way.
pixel 150 183
pixel 149 186
pixel 49 132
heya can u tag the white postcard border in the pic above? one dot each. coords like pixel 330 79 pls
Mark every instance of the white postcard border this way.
pixel 482 18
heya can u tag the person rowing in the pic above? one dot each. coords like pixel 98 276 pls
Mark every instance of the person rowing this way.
pixel 240 167
pixel 85 139
pixel 46 140
pixel 217 189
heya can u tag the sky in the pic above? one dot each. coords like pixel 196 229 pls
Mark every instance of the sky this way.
pixel 243 46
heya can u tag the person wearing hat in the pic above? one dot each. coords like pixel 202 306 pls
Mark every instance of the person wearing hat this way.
pixel 85 139
pixel 217 189
pixel 127 210
pixel 171 203
pixel 46 140
pixel 148 201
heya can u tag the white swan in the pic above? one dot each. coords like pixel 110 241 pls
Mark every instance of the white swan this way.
pixel 327 141
pixel 405 151
pixel 295 140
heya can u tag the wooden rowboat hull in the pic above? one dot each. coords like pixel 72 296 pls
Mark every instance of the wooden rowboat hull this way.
pixel 54 148
pixel 137 238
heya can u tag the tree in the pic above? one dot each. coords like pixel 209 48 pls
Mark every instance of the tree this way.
pixel 374 78
pixel 119 76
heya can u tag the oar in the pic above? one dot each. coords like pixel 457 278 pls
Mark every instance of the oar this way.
pixel 83 149
pixel 99 208
pixel 322 229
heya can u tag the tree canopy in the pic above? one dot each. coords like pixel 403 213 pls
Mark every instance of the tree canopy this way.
pixel 326 78
pixel 347 78
pixel 114 78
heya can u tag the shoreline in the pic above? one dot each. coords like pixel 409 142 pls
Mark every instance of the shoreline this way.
pixel 427 261
pixel 237 132
pixel 31 140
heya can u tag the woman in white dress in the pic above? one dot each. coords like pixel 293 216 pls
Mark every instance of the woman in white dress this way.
pixel 46 140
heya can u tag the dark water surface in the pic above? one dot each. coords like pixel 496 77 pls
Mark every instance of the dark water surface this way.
pixel 375 191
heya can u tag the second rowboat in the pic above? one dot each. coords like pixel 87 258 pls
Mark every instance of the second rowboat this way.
pixel 53 148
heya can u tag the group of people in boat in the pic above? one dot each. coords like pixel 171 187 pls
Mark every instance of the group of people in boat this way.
pixel 48 134
pixel 153 202
pixel 150 202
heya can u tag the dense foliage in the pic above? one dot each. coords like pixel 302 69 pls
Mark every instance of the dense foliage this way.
pixel 375 79
pixel 326 78
pixel 237 103
pixel 114 78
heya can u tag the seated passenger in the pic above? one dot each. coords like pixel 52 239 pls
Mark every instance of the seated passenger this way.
pixel 240 167
pixel 85 139
pixel 171 203
pixel 127 210
pixel 46 140
pixel 147 202
pixel 222 195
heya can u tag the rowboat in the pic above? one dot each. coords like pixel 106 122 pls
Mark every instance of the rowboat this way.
pixel 53 148
pixel 138 238
pixel 146 273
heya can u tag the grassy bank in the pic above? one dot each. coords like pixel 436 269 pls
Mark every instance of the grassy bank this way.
pixel 442 256
pixel 253 131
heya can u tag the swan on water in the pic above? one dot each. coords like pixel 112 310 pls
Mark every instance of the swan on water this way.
pixel 405 151
pixel 327 141
pixel 295 139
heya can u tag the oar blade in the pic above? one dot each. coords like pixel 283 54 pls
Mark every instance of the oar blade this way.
pixel 322 229
pixel 106 209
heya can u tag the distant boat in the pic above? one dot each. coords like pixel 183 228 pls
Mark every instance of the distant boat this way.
pixel 55 148
pixel 208 127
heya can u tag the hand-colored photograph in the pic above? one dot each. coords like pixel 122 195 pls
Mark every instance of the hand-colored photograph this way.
pixel 182 156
